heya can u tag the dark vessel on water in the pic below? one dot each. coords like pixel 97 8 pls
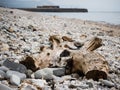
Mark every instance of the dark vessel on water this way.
pixel 54 9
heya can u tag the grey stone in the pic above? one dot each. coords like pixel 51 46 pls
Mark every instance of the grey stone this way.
pixel 1 61
pixel 20 75
pixel 38 82
pixel 15 66
pixel 90 84
pixel 107 83
pixel 47 88
pixel 72 86
pixel 75 75
pixel 26 50
pixel 84 86
pixel 59 72
pixel 100 34
pixel 3 68
pixel 2 74
pixel 78 44
pixel 57 79
pixel 29 73
pixel 4 87
pixel 66 77
pixel 45 73
pixel 15 80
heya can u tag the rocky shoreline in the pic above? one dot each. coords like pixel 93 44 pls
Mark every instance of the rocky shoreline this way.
pixel 23 33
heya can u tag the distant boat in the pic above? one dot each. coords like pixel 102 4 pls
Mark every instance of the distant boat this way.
pixel 54 9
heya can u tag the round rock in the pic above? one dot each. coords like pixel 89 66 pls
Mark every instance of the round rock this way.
pixel 2 74
pixel 4 87
pixel 15 80
pixel 29 73
pixel 38 82
pixel 59 72
pixel 3 68
pixel 20 75
pixel 45 73
pixel 107 83
pixel 15 66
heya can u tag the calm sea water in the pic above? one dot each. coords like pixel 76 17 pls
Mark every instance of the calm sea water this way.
pixel 108 17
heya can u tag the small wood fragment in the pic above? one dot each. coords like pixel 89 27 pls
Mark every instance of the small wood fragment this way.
pixel 94 44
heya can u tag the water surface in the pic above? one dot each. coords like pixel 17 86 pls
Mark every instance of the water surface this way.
pixel 108 17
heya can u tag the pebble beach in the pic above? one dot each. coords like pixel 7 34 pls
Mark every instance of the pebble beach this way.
pixel 22 33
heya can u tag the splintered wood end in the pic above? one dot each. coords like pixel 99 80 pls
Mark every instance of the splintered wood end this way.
pixel 94 44
pixel 55 38
pixel 96 75
pixel 29 62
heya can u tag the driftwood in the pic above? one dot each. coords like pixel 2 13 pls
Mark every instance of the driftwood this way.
pixel 95 66
pixel 81 59
pixel 90 63
pixel 93 44
pixel 49 56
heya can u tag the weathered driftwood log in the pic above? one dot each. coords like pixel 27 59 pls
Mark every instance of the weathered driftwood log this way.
pixel 95 66
pixel 91 64
pixel 85 60
pixel 49 56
